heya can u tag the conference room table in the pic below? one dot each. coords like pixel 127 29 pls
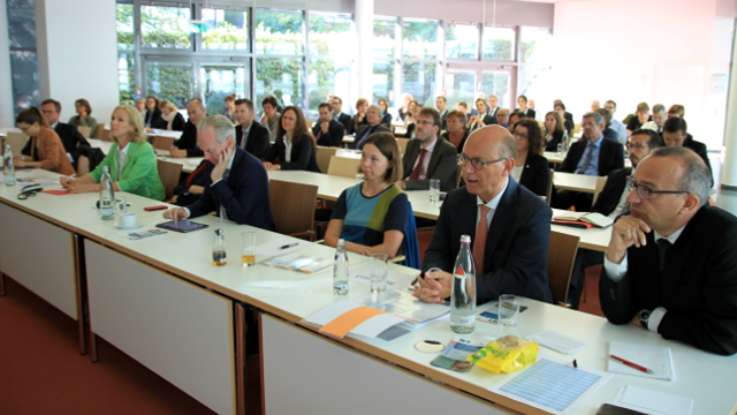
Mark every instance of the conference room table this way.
pixel 162 301
pixel 189 164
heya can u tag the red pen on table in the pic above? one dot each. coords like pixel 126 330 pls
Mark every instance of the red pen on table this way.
pixel 631 364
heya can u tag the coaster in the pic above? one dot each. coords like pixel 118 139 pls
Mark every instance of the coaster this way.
pixel 429 346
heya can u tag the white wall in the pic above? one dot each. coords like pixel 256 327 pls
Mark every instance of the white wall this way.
pixel 77 55
pixel 6 90
pixel 659 51
pixel 498 12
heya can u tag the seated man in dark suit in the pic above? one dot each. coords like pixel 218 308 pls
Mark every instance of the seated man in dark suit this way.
pixel 612 202
pixel 186 146
pixel 373 125
pixel 249 134
pixel 338 115
pixel 69 134
pixel 512 253
pixel 327 131
pixel 591 155
pixel 239 183
pixel 675 134
pixel 428 157
pixel 671 264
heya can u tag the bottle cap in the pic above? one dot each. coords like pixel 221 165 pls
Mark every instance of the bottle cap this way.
pixel 466 238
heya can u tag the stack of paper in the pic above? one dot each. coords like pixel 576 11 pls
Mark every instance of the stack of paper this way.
pixel 557 342
pixel 653 402
pixel 656 358
pixel 346 317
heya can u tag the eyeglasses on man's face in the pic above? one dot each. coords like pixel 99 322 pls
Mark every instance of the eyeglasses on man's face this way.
pixel 476 162
pixel 645 191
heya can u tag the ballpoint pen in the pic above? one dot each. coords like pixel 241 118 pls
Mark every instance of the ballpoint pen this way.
pixel 631 364
pixel 287 246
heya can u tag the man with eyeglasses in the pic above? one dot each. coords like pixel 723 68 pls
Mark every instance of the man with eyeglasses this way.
pixel 509 226
pixel 671 264
pixel 427 158
pixel 612 201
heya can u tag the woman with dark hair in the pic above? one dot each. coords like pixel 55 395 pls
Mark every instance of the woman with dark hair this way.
pixel 457 132
pixel 530 167
pixel 152 118
pixel 84 117
pixel 359 120
pixel 555 132
pixel 386 118
pixel 293 149
pixel 372 216
pixel 47 150
pixel 410 117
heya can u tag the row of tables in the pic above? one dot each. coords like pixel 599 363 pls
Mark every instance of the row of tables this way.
pixel 161 301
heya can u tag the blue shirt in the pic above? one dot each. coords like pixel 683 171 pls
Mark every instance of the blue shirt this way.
pixel 620 129
pixel 589 163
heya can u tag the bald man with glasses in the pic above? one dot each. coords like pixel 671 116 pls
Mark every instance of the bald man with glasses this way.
pixel 671 264
pixel 509 226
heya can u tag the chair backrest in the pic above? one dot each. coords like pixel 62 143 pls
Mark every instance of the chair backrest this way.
pixel 169 173
pixel 549 190
pixel 402 144
pixel 85 131
pixel 344 167
pixel 100 131
pixel 598 187
pixel 323 155
pixel 162 143
pixel 17 141
pixel 561 256
pixel 284 197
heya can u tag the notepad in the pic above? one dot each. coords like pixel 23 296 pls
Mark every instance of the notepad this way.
pixel 550 385
pixel 557 342
pixel 653 402
pixel 659 359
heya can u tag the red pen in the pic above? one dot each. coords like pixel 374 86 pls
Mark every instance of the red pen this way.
pixel 633 365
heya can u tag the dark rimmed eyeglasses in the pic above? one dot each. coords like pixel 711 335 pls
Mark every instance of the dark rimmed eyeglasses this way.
pixel 476 162
pixel 646 192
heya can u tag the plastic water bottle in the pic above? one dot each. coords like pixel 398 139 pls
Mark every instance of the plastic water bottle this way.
pixel 107 195
pixel 463 290
pixel 340 270
pixel 9 166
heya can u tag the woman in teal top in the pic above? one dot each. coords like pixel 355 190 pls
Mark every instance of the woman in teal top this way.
pixel 372 215
pixel 132 162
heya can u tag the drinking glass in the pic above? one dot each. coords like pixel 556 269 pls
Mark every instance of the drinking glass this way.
pixel 248 248
pixel 508 306
pixel 378 276
pixel 434 191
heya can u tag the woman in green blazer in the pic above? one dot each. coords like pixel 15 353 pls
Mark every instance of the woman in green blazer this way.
pixel 132 162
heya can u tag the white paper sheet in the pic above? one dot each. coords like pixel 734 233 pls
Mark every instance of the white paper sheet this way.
pixel 653 402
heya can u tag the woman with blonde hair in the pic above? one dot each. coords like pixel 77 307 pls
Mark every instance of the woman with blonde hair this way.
pixel 132 161
pixel 169 113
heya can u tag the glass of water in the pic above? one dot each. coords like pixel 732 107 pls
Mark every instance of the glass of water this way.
pixel 508 306
pixel 434 191
pixel 378 276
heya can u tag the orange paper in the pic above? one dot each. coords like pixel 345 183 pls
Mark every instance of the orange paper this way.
pixel 345 322
pixel 56 192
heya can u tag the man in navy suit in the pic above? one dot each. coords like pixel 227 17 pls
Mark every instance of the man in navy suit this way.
pixel 671 263
pixel 512 252
pixel 239 181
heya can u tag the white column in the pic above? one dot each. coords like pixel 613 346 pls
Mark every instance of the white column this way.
pixel 77 54
pixel 6 92
pixel 365 30
pixel 729 168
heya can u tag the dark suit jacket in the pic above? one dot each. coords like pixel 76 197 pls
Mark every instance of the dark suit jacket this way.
pixel 568 122
pixel 444 135
pixel 443 165
pixel 257 142
pixel 611 156
pixel 177 124
pixel 302 156
pixel 700 149
pixel 346 120
pixel 334 137
pixel 154 119
pixel 552 145
pixel 698 287
pixel 70 137
pixel 386 119
pixel 357 126
pixel 188 140
pixel 536 174
pixel 364 134
pixel 516 254
pixel 530 113
pixel 611 193
pixel 244 193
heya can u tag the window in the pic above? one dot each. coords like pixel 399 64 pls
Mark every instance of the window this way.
pixel 462 41
pixel 280 77
pixel 533 76
pixel 219 81
pixel 384 56
pixel 419 58
pixel 166 27
pixel 498 43
pixel 224 29
pixel 126 52
pixel 331 59
pixel 460 86
pixel 498 83
pixel 23 58
pixel 170 80
pixel 279 32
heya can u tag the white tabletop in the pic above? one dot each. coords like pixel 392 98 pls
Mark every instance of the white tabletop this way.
pixel 595 239
pixel 575 182
pixel 554 157
pixel 348 153
pixel 189 164
pixel 163 133
pixel 349 139
pixel 707 378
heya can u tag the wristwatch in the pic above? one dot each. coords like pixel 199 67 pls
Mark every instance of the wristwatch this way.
pixel 644 317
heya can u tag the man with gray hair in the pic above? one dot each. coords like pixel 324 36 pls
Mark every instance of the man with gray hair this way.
pixel 659 116
pixel 186 145
pixel 508 224
pixel 239 188
pixel 671 264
